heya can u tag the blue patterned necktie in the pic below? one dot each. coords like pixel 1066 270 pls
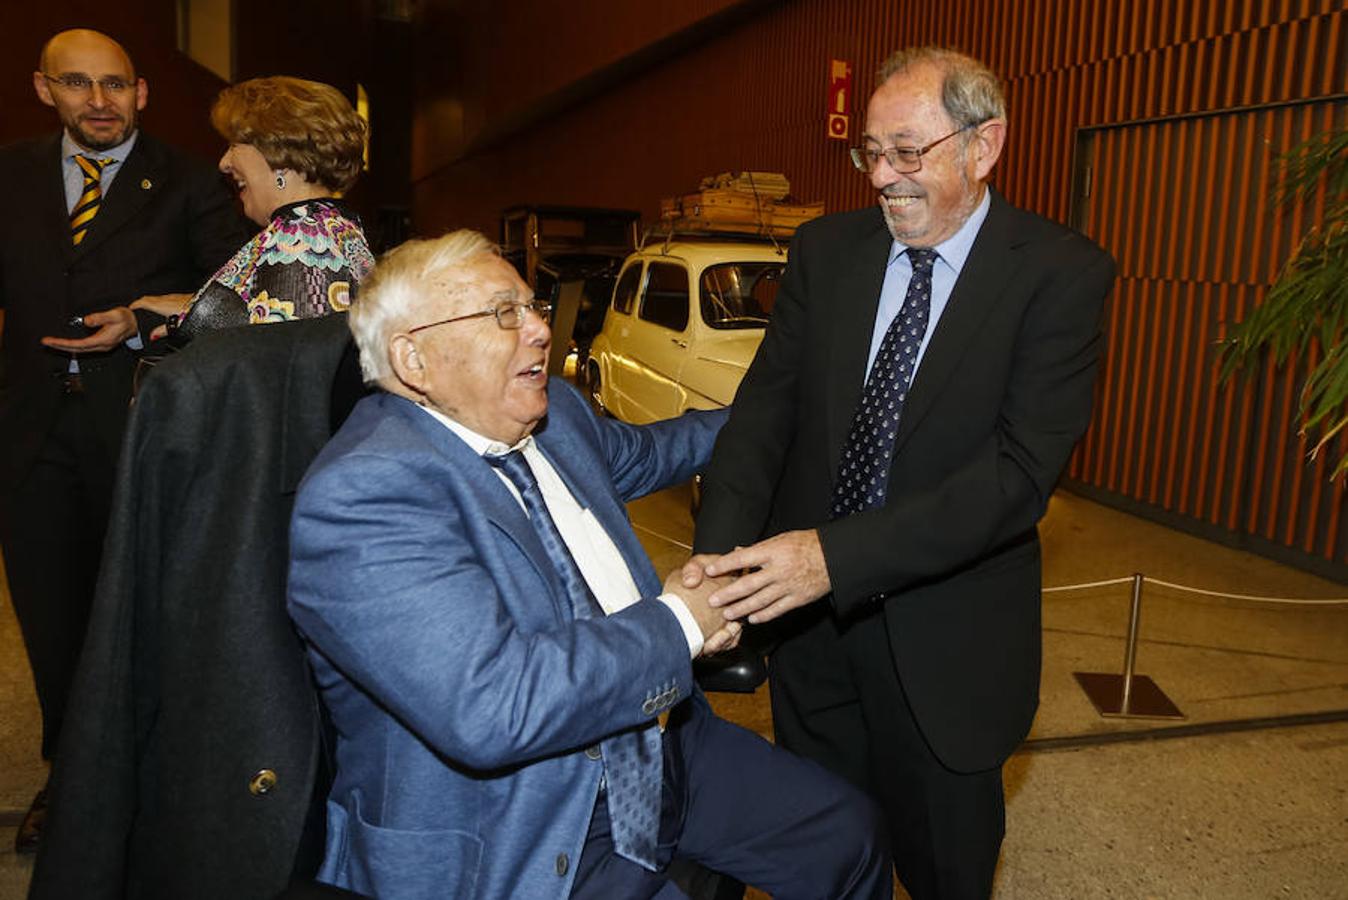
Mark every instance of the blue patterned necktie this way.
pixel 633 760
pixel 863 473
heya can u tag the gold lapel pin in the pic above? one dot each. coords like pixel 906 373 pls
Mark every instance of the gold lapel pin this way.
pixel 145 184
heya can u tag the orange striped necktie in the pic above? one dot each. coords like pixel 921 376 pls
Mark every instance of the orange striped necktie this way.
pixel 91 194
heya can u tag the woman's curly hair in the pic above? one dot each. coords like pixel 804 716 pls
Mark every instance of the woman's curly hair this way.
pixel 305 126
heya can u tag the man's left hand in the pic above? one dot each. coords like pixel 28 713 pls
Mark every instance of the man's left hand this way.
pixel 111 327
pixel 785 572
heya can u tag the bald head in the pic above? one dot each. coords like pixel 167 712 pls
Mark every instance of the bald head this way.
pixel 89 80
pixel 80 41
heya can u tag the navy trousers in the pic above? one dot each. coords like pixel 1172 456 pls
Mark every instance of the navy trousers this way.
pixel 752 811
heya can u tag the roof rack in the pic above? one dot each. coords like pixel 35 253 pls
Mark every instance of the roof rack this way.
pixel 667 235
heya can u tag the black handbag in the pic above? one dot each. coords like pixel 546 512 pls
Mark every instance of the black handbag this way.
pixel 215 307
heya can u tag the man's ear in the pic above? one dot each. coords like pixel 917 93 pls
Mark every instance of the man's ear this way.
pixel 43 89
pixel 986 147
pixel 142 93
pixel 408 364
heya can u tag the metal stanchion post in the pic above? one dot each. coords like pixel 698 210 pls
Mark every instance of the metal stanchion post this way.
pixel 1128 696
pixel 1130 648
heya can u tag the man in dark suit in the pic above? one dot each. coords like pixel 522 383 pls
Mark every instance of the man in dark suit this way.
pixel 96 217
pixel 894 513
pixel 494 646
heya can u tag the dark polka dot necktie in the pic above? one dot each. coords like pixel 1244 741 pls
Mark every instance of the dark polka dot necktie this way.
pixel 633 759
pixel 863 472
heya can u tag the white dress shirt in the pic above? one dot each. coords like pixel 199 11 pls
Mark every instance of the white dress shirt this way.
pixel 598 558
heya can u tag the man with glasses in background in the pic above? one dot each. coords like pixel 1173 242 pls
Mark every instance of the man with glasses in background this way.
pixel 928 368
pixel 97 216
pixel 494 647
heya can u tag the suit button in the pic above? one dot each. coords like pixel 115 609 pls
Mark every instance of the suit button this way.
pixel 562 863
pixel 594 752
pixel 648 707
pixel 262 783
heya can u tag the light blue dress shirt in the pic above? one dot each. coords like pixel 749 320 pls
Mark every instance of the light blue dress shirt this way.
pixel 74 175
pixel 952 252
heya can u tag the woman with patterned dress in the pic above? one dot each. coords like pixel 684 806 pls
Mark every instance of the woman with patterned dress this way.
pixel 295 147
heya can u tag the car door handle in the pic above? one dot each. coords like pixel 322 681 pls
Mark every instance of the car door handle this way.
pixel 682 345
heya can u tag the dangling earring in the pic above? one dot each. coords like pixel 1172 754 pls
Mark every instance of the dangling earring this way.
pixel 280 181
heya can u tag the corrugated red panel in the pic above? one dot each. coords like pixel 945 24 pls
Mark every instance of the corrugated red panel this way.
pixel 1186 206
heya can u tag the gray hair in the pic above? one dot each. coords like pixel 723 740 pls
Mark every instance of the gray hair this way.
pixel 393 292
pixel 970 92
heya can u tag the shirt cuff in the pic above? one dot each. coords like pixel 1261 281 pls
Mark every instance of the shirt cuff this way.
pixel 691 631
pixel 134 342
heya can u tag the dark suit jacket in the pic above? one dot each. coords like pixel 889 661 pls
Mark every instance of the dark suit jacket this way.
pixel 1002 394
pixel 192 679
pixel 165 225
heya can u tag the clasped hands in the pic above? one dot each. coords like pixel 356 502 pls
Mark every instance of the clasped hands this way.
pixel 757 583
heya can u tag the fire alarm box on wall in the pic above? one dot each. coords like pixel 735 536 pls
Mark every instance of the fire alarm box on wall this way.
pixel 839 99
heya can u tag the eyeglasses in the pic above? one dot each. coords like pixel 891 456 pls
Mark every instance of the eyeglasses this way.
pixel 83 84
pixel 509 316
pixel 903 160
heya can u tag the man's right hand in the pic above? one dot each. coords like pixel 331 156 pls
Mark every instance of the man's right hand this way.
pixel 109 328
pixel 717 633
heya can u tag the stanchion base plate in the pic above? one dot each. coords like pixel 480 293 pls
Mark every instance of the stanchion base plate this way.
pixel 1147 701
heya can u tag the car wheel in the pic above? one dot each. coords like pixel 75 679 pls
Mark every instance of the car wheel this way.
pixel 593 388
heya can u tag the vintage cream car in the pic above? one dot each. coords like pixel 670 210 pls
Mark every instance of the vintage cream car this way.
pixel 686 317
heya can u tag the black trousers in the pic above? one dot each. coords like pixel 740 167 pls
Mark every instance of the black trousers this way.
pixel 51 530
pixel 836 698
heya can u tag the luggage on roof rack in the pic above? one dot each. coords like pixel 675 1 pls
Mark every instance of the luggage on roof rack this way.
pixel 749 202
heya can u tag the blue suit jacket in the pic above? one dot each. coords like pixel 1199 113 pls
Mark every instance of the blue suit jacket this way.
pixel 463 692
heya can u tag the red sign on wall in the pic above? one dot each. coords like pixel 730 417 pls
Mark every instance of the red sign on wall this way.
pixel 839 99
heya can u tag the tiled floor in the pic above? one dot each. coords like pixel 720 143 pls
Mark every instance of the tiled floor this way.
pixel 1096 807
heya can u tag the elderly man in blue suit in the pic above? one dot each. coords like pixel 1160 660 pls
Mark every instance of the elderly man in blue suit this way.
pixel 495 648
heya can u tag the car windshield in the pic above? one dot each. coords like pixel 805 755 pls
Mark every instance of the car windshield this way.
pixel 739 294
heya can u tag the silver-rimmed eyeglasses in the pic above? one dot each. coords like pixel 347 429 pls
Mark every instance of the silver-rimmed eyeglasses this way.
pixel 509 316
pixel 903 160
pixel 83 84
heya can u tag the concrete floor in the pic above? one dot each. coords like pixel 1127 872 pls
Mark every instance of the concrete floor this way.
pixel 1245 798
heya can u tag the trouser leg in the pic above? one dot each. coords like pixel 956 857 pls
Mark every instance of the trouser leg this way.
pixel 759 814
pixel 777 821
pixel 946 826
pixel 816 712
pixel 52 536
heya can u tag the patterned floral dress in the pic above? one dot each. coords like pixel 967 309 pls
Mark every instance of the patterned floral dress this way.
pixel 307 262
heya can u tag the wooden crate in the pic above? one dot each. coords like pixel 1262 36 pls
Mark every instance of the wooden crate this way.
pixel 727 206
pixel 792 215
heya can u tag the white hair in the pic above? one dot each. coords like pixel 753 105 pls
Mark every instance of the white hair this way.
pixel 391 295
